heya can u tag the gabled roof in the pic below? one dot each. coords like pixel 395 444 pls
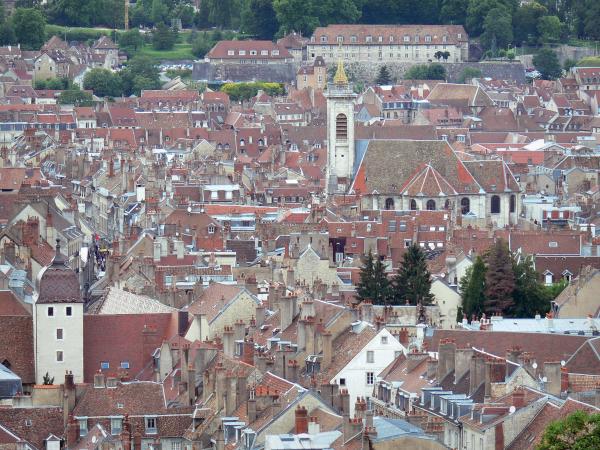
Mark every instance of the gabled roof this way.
pixel 428 182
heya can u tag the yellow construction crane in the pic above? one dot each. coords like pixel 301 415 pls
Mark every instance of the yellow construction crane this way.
pixel 126 15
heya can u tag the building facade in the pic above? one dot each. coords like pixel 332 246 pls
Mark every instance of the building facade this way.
pixel 389 43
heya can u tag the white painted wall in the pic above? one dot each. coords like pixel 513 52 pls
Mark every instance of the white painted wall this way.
pixel 355 372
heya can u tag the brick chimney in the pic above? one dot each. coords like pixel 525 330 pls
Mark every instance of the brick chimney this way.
pixel 220 373
pixel 495 372
pixel 69 396
pixel 564 379
pixel 239 330
pixel 72 432
pixel 345 402
pixel 351 427
pixel 292 370
pixel 301 420
pixel 231 400
pixel 137 441
pixel 111 168
pixel 248 352
pixel 251 405
pixel 191 384
pixel 403 337
pixel 31 231
pixel 126 439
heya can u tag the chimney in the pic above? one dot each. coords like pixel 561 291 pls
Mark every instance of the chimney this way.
pixel 251 405
pixel 308 308
pixel 313 426
pixel 72 432
pixel 191 384
pixel 309 331
pixel 564 379
pixel 360 407
pixel 220 386
pixel 248 352
pixel 292 371
pixel 286 307
pixel 111 168
pixel 220 438
pixel 301 420
pixel 327 339
pixel 137 441
pixel 462 362
pixel 126 439
pixel 156 251
pixel 290 280
pixel 446 358
pixel 477 372
pixel 518 398
pixel 69 396
pixel 495 372
pixel 179 249
pixel 231 401
pixel 552 373
pixel 228 341
pixel 403 337
pixel 366 311
pixel 99 380
pixel 260 315
pixel 182 322
pixel 345 402
pixel 351 428
pixel 431 368
pixel 369 418
pixel 239 330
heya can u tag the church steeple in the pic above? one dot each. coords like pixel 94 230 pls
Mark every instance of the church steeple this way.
pixel 340 77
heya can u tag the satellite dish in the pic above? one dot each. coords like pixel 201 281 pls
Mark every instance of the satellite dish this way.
pixel 563 363
pixel 534 365
pixel 189 209
pixel 544 379
pixel 511 410
pixel 94 439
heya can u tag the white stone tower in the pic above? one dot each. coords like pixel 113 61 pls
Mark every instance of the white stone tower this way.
pixel 58 323
pixel 340 132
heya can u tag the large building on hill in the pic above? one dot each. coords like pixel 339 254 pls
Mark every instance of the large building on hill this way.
pixel 389 43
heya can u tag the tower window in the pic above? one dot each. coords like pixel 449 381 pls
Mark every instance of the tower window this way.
pixel 465 205
pixel 341 126
pixel 513 203
pixel 413 205
pixel 59 356
pixel 50 311
pixel 431 205
pixel 59 334
pixel 69 310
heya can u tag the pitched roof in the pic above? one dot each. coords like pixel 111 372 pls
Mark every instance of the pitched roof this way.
pixel 493 176
pixel 16 345
pixel 33 425
pixel 214 299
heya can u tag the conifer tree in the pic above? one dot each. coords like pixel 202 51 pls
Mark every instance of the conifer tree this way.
pixel 499 279
pixel 412 283
pixel 383 77
pixel 373 284
pixel 364 288
pixel 472 289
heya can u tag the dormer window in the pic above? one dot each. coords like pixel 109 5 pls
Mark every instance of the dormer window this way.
pixel 150 425
pixel 242 52
pixel 391 38
pixel 444 39
pixel 460 35
pixel 211 229
pixel 340 39
pixel 369 39
pixel 417 38
pixel 230 52
pixel 353 39
pixel 264 53
pixel 407 38
pixel 427 38
pixel 323 38
pixel 275 53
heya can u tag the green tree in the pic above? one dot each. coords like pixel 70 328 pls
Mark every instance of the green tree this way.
pixel 412 283
pixel 578 431
pixel 202 45
pixel 530 296
pixel 525 22
pixel 163 37
pixel 102 82
pixel 140 74
pixel 259 19
pixel 497 29
pixel 549 29
pixel 75 97
pixel 131 41
pixel 7 33
pixel 365 288
pixel 472 289
pixel 546 62
pixel 433 71
pixel 468 74
pixel 384 77
pixel 2 12
pixel 159 12
pixel 499 279
pixel 29 25
pixel 374 284
pixel 305 15
pixel 454 11
pixel 569 64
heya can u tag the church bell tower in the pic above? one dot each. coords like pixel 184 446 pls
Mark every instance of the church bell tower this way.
pixel 340 132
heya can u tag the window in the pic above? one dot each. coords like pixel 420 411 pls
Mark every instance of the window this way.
pixel 413 205
pixel 124 364
pixel 59 334
pixel 513 203
pixel 384 340
pixel 465 205
pixel 340 39
pixel 389 203
pixel 264 53
pixel 353 39
pixel 342 382
pixel 370 356
pixel 274 52
pixel 83 426
pixel 495 207
pixel 370 378
pixel 175 445
pixel 116 425
pixel 105 365
pixel 341 126
pixel 431 205
pixel 59 356
pixel 69 311
pixel 50 311
pixel 407 243
pixel 230 52
pixel 323 38
pixel 427 38
pixel 242 52
pixel 407 39
pixel 150 425
pixel 211 229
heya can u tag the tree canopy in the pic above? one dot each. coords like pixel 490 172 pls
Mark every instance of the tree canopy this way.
pixel 374 284
pixel 577 431
pixel 547 63
pixel 383 77
pixel 412 283
pixel 433 71
pixel 29 27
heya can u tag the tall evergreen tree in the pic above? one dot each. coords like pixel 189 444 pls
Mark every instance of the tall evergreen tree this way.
pixel 412 283
pixel 472 289
pixel 499 279
pixel 383 77
pixel 374 284
pixel 530 295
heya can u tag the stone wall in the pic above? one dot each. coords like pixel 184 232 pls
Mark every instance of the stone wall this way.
pixel 213 72
pixel 366 73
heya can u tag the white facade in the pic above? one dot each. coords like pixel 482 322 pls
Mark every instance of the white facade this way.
pixel 360 374
pixel 340 135
pixel 58 336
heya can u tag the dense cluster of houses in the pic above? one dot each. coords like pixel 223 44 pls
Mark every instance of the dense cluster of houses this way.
pixel 178 270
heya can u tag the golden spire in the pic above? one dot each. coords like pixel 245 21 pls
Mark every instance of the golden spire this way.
pixel 340 74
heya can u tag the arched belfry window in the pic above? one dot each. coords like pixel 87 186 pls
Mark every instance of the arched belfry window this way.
pixel 465 205
pixel 413 205
pixel 513 203
pixel 495 207
pixel 431 205
pixel 341 126
pixel 389 203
